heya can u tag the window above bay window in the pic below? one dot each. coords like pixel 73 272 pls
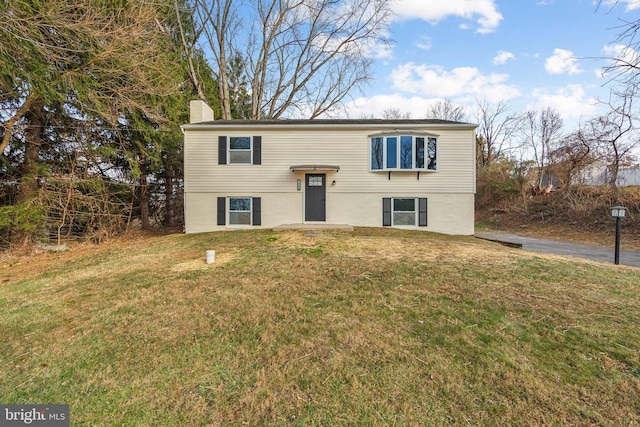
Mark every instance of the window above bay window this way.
pixel 403 151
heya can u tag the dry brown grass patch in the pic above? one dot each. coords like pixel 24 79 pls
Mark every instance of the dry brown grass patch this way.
pixel 397 248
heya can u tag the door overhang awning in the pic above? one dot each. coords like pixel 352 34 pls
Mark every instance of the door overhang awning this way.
pixel 314 168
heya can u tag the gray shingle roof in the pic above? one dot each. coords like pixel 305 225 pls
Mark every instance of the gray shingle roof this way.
pixel 294 122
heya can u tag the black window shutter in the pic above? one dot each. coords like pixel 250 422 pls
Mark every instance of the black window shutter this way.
pixel 257 150
pixel 422 212
pixel 222 150
pixel 222 208
pixel 257 207
pixel 386 212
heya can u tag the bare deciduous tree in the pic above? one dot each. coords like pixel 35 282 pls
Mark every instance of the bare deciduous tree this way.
pixel 218 22
pixel 542 131
pixel 303 56
pixel 446 110
pixel 616 132
pixel 395 114
pixel 573 154
pixel 188 39
pixel 497 127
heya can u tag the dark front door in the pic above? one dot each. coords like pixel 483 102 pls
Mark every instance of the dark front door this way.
pixel 314 197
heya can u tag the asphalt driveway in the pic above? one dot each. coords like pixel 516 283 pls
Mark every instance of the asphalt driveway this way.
pixel 599 253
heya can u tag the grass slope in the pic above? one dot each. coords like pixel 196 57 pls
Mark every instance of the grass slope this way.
pixel 365 328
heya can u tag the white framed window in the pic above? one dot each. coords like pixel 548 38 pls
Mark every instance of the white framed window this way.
pixel 315 181
pixel 240 210
pixel 240 150
pixel 404 152
pixel 404 212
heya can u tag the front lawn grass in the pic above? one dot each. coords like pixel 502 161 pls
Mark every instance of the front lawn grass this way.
pixel 372 327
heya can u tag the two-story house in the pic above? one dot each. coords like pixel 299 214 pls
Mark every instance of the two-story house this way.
pixel 417 174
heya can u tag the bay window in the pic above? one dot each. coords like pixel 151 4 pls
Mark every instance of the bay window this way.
pixel 404 152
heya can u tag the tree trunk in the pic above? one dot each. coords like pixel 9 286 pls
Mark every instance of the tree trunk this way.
pixel 613 179
pixel 144 194
pixel 223 86
pixel 170 198
pixel 29 169
pixel 224 22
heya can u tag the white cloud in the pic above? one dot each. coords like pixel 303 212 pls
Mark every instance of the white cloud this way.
pixel 571 102
pixel 615 50
pixel 424 43
pixel 484 12
pixel 629 4
pixel 465 82
pixel 376 105
pixel 619 53
pixel 502 57
pixel 562 62
pixel 379 51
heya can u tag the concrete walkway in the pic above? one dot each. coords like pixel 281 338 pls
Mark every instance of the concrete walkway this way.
pixel 599 253
pixel 316 226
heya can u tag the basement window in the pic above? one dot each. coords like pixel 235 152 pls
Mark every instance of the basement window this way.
pixel 404 212
pixel 240 211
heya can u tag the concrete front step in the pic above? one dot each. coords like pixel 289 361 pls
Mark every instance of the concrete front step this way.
pixel 317 226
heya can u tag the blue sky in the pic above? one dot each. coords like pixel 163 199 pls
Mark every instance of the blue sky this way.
pixel 530 53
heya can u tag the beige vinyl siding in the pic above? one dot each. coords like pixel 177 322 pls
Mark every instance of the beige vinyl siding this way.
pixel 201 213
pixel 347 148
pixel 446 213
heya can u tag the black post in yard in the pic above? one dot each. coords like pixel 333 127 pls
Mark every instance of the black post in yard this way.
pixel 618 212
pixel 617 252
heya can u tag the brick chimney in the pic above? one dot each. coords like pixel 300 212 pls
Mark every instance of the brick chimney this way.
pixel 199 111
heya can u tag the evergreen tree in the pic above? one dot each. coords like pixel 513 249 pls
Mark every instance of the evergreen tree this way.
pixel 91 66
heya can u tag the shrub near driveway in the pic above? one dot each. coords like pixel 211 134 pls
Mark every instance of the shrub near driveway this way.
pixel 581 214
pixel 373 327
